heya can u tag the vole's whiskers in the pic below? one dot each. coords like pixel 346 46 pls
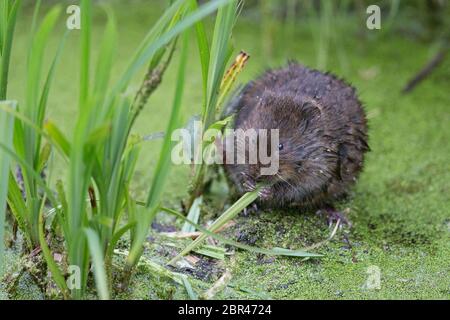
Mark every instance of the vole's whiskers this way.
pixel 281 178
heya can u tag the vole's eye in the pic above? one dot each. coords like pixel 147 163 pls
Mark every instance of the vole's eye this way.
pixel 280 146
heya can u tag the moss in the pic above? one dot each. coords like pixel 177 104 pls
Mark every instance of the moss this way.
pixel 25 287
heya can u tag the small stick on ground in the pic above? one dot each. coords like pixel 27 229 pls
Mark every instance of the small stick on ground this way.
pixel 218 286
pixel 194 235
pixel 426 71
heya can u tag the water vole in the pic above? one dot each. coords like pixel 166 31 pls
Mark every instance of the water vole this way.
pixel 322 136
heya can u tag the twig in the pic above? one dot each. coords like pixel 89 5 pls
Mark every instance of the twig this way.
pixel 195 234
pixel 321 243
pixel 218 286
pixel 426 71
pixel 181 234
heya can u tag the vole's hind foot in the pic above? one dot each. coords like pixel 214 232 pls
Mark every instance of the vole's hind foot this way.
pixel 333 216
pixel 251 209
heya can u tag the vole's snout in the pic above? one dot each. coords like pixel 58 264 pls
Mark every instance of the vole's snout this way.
pixel 254 172
pixel 259 179
pixel 253 176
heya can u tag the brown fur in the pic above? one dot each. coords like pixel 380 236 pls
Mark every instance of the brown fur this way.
pixel 323 130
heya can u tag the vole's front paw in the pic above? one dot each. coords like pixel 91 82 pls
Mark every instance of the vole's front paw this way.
pixel 265 193
pixel 249 184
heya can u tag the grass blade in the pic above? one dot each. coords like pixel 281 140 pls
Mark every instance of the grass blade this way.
pixel 36 62
pixel 211 251
pixel 8 24
pixel 49 80
pixel 6 132
pixel 19 209
pixel 220 54
pixel 116 237
pixel 237 207
pixel 56 273
pixel 99 266
pixel 105 61
pixel 58 138
pixel 33 173
pixel 86 17
pixel 3 22
pixel 187 284
pixel 193 215
pixel 203 48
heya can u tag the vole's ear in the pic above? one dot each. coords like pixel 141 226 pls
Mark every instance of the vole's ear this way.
pixel 311 109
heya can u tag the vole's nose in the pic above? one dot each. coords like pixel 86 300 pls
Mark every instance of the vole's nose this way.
pixel 254 171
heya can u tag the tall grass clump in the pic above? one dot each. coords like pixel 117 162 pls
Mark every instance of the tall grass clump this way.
pixel 93 207
pixel 6 134
pixel 8 18
pixel 102 157
pixel 214 58
pixel 26 198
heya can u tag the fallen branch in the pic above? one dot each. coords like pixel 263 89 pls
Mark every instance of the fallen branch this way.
pixel 427 70
pixel 218 286
pixel 195 234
